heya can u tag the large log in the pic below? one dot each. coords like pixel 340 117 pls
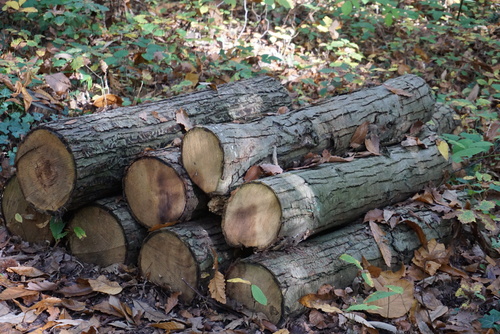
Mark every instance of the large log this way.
pixel 68 163
pixel 112 234
pixel 234 148
pixel 158 189
pixel 285 276
pixel 287 208
pixel 182 257
pixel 33 226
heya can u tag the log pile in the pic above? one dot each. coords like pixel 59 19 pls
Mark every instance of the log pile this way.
pixel 70 164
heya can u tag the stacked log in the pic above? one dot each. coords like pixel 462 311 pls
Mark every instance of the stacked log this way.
pixel 158 189
pixel 68 163
pixel 20 218
pixel 285 276
pixel 112 234
pixel 234 148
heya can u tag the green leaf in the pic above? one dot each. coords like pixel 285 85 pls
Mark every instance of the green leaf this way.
pixel 18 218
pixel 485 206
pixel 79 232
pixel 57 227
pixel 380 295
pixel 467 216
pixel 396 289
pixel 489 320
pixel 258 295
pixel 351 260
pixel 367 278
pixel 362 307
pixel 347 8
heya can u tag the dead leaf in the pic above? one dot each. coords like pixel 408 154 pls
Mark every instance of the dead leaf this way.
pixel 193 77
pixel 182 118
pixel 102 284
pixel 16 292
pixel 107 100
pixel 59 82
pixel 160 226
pixel 358 138
pixel 253 173
pixel 172 301
pixel 45 304
pixel 375 215
pixel 282 110
pixel 416 128
pixel 372 143
pixel 426 197
pixel 397 91
pixel 143 115
pixel 149 312
pixel 358 319
pixel 379 237
pixel 320 302
pixel 443 148
pixel 473 93
pixel 271 169
pixel 79 288
pixel 170 326
pixel 159 117
pixel 71 121
pixel 420 233
pixel 26 271
pixel 42 286
pixel 421 53
pixel 413 141
pixel 431 258
pixel 403 69
pixel 217 287
pixel 397 305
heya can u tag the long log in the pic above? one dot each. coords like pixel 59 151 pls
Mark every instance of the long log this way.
pixel 181 257
pixel 112 234
pixel 68 163
pixel 158 189
pixel 33 226
pixel 234 148
pixel 287 208
pixel 285 276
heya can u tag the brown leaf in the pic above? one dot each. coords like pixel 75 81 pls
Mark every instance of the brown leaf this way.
pixel 379 237
pixel 59 82
pixel 172 301
pixel 102 284
pixel 107 100
pixel 358 138
pixel 416 128
pixel 45 304
pixel 149 312
pixel 426 197
pixel 105 307
pixel 16 292
pixel 217 287
pixel 320 302
pixel 42 286
pixel 170 326
pixel 403 69
pixel 420 233
pixel 431 258
pixel 413 141
pixel 26 271
pixel 282 110
pixel 159 117
pixel 372 143
pixel 397 91
pixel 182 118
pixel 397 305
pixel 253 173
pixel 375 215
pixel 271 169
pixel 421 53
pixel 160 226
pixel 193 77
pixel 473 93
pixel 80 288
pixel 71 121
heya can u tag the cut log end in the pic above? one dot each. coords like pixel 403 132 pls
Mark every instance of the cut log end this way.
pixel 252 217
pixel 46 170
pixel 265 280
pixel 155 193
pixel 166 261
pixel 105 242
pixel 34 226
pixel 202 157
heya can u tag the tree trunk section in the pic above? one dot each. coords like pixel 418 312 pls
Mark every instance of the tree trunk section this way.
pixel 287 208
pixel 113 236
pixel 285 276
pixel 181 257
pixel 234 148
pixel 68 163
pixel 35 226
pixel 158 189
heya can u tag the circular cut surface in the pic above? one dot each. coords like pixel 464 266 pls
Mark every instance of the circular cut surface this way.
pixel 105 243
pixel 252 217
pixel 265 280
pixel 45 170
pixel 202 158
pixel 154 191
pixel 34 226
pixel 165 260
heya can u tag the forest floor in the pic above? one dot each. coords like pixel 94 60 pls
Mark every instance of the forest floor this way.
pixel 125 53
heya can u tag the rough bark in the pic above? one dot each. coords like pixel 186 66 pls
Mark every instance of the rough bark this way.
pixel 181 257
pixel 113 236
pixel 68 163
pixel 35 226
pixel 285 276
pixel 287 208
pixel 234 148
pixel 158 189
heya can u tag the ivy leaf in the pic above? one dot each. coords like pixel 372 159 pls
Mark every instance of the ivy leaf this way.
pixel 258 295
pixel 485 206
pixel 489 320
